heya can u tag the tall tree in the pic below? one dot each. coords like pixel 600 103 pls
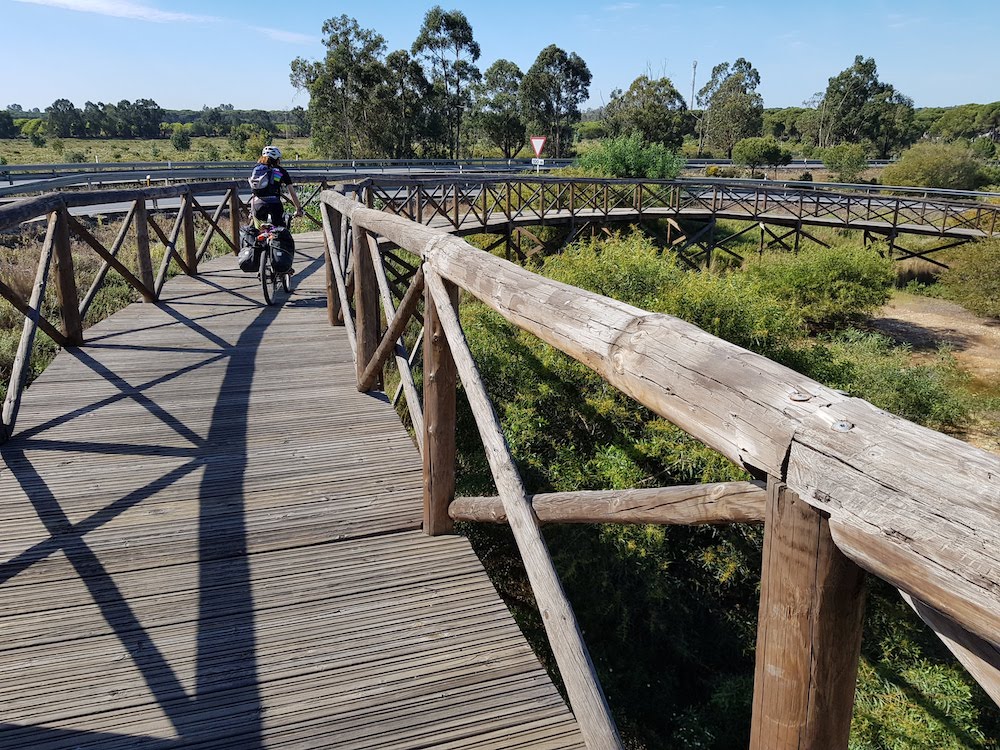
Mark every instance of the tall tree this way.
pixel 64 119
pixel 497 107
pixel 552 91
pixel 733 110
pixel 450 51
pixel 403 101
pixel 652 108
pixel 340 87
pixel 859 108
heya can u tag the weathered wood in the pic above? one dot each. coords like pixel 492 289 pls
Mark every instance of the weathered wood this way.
pixel 439 444
pixel 980 658
pixel 928 526
pixel 808 631
pixel 213 228
pixel 25 309
pixel 190 245
pixel 170 253
pixel 140 285
pixel 235 211
pixel 584 690
pixel 144 258
pixel 884 514
pixel 99 277
pixel 399 319
pixel 338 275
pixel 22 358
pixel 726 502
pixel 69 300
pixel 367 317
pixel 331 241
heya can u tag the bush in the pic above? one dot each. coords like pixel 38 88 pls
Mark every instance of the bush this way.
pixel 632 157
pixel 973 280
pixel 828 286
pixel 846 160
pixel 936 165
pixel 180 138
pixel 760 152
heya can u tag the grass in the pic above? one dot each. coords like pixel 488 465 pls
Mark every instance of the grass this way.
pixel 63 150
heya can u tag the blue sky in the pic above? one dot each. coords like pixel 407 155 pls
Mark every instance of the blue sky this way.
pixel 188 53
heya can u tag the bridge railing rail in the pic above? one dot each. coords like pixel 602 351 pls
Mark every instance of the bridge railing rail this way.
pixel 185 242
pixel 844 487
pixel 473 203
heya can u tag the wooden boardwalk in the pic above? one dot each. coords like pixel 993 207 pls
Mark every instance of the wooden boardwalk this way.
pixel 211 539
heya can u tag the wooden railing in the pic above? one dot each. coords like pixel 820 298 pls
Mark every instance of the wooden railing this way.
pixel 471 204
pixel 844 487
pixel 182 247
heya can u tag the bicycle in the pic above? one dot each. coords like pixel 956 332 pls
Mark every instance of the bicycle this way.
pixel 275 241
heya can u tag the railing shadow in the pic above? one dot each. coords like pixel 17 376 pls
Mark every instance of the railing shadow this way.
pixel 225 700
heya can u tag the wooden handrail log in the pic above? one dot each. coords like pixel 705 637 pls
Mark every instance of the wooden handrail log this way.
pixel 911 505
pixel 724 502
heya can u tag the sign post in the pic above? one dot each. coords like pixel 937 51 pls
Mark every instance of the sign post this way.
pixel 538 143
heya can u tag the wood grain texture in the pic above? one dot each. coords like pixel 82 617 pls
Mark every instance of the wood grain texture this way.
pixel 727 502
pixel 211 539
pixel 808 632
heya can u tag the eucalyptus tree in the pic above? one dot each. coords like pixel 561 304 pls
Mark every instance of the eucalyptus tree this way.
pixel 652 108
pixel 340 87
pixel 859 108
pixel 64 119
pixel 732 108
pixel 552 91
pixel 403 100
pixel 449 51
pixel 497 109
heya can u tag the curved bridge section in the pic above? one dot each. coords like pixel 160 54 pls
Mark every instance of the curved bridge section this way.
pixel 689 208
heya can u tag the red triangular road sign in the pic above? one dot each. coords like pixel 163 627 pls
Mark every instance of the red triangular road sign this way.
pixel 538 143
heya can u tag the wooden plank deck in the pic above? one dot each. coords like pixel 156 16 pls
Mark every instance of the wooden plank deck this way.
pixel 210 539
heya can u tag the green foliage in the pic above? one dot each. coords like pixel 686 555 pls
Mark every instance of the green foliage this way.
pixel 973 278
pixel 630 156
pixel 248 141
pixel 846 160
pixel 828 286
pixel 872 367
pixel 733 110
pixel 180 137
pixel 652 108
pixel 937 165
pixel 757 152
pixel 498 110
pixel 552 90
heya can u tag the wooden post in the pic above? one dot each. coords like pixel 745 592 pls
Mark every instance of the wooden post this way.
pixel 69 300
pixel 190 246
pixel 808 632
pixel 144 261
pixel 366 309
pixel 331 219
pixel 234 215
pixel 440 383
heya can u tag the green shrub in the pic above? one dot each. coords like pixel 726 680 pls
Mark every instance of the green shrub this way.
pixel 630 156
pixel 846 160
pixel 936 165
pixel 828 286
pixel 973 280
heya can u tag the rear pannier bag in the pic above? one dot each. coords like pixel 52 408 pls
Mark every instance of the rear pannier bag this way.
pixel 282 248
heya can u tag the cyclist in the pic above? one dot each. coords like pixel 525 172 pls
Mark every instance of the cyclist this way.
pixel 267 179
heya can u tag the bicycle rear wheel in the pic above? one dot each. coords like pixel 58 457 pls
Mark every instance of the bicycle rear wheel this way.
pixel 268 279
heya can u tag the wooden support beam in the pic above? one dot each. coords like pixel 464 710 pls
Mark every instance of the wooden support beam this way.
pixel 440 394
pixel 332 239
pixel 367 317
pixel 22 358
pixel 808 631
pixel 235 210
pixel 65 277
pixel 387 344
pixel 726 502
pixel 144 259
pixel 585 695
pixel 190 264
pixel 98 280
pixel 144 287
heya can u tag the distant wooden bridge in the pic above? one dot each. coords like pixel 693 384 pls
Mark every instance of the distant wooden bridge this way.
pixel 217 532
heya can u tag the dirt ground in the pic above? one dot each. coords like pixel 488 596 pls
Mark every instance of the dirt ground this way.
pixel 927 324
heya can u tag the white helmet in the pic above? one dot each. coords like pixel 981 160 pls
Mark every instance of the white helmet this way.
pixel 271 152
